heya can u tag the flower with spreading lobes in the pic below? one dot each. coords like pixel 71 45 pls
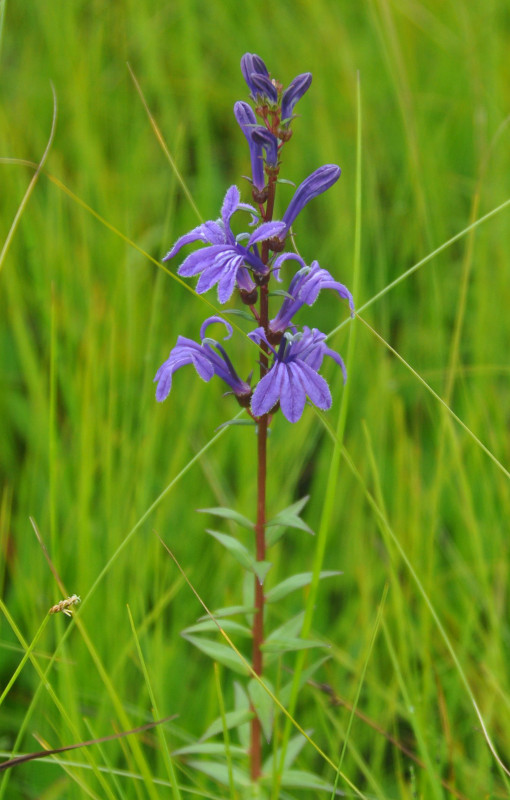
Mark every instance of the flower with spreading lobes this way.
pixel 293 375
pixel 226 261
pixel 206 362
pixel 303 290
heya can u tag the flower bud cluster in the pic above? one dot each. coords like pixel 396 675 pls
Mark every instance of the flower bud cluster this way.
pixel 245 263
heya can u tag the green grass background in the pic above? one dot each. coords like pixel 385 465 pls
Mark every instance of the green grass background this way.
pixel 86 319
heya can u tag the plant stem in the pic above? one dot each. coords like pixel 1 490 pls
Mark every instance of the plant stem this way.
pixel 258 618
pixel 260 526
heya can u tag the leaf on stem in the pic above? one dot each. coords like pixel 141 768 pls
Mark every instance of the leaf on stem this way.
pixel 242 704
pixel 233 719
pixel 306 674
pixel 228 611
pixel 220 773
pixel 207 625
pixel 295 582
pixel 288 518
pixel 210 749
pixel 289 645
pixel 235 548
pixel 229 513
pixel 263 705
pixel 293 749
pixel 219 652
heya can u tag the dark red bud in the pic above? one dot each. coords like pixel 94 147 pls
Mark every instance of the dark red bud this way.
pixel 260 195
pixel 276 244
pixel 244 399
pixel 249 298
pixel 274 337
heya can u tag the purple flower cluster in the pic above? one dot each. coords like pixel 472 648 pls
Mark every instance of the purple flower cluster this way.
pixel 248 261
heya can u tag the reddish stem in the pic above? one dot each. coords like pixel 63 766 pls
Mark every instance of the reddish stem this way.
pixel 260 526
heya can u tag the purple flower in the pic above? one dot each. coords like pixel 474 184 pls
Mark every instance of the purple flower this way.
pixel 293 375
pixel 247 120
pixel 206 362
pixel 256 75
pixel 226 260
pixel 304 289
pixel 294 92
pixel 264 138
pixel 315 184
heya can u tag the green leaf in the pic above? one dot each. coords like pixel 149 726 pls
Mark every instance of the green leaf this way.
pixel 261 568
pixel 228 611
pixel 228 625
pixel 220 773
pixel 288 518
pixel 219 652
pixel 294 748
pixel 249 595
pixel 242 703
pixel 233 719
pixel 295 582
pixel 290 644
pixel 290 628
pixel 306 674
pixel 300 779
pixel 263 705
pixel 209 749
pixel 229 513
pixel 249 422
pixel 238 312
pixel 235 548
pixel 290 512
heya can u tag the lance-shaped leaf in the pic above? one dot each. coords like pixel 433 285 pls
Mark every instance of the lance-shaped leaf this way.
pixel 242 555
pixel 210 749
pixel 261 568
pixel 290 644
pixel 293 749
pixel 306 674
pixel 235 548
pixel 221 773
pixel 242 704
pixel 219 652
pixel 229 513
pixel 286 637
pixel 232 720
pixel 288 518
pixel 292 627
pixel 295 582
pixel 228 611
pixel 263 705
pixel 299 779
pixel 208 625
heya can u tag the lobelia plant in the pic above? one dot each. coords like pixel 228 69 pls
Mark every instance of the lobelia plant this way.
pixel 289 361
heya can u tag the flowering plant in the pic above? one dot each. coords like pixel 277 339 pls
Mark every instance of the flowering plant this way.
pixel 289 359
